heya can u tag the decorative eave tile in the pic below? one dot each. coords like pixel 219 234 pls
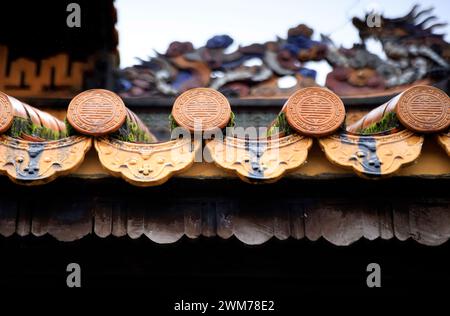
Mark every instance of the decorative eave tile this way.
pixel 444 140
pixel 145 164
pixel 373 156
pixel 33 163
pixel 260 160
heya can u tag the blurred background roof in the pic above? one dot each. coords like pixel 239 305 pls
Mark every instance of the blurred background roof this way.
pixel 152 25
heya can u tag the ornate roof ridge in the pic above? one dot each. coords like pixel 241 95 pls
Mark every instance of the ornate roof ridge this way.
pixel 130 154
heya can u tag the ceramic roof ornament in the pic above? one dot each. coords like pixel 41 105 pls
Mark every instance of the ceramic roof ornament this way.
pixel 100 112
pixel 261 160
pixel 176 49
pixel 415 55
pixel 372 156
pixel 146 164
pixel 184 67
pixel 36 147
pixel 20 120
pixel 201 109
pixel 309 112
pixel 356 71
pixel 422 109
pixel 312 112
pixel 126 148
pixel 389 136
pixel 410 37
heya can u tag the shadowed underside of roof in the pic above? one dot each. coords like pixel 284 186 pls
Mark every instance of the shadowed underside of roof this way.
pixel 71 210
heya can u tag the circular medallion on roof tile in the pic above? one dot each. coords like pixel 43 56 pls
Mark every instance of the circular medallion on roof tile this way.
pixel 201 109
pixel 96 112
pixel 424 109
pixel 6 113
pixel 315 111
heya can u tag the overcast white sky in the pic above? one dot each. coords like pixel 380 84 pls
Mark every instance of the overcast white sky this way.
pixel 145 26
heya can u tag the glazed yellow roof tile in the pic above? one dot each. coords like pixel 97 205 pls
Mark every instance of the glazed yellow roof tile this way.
pixel 401 152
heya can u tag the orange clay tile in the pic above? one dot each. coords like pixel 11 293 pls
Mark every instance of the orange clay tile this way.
pixel 6 113
pixel 423 109
pixel 260 160
pixel 203 106
pixel 314 111
pixel 32 163
pixel 372 156
pixel 145 164
pixel 11 107
pixel 96 112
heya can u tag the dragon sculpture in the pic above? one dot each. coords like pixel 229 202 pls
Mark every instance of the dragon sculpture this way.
pixel 414 54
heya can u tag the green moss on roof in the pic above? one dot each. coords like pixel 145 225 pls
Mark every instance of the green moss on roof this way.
pixel 69 129
pixel 388 122
pixel 22 126
pixel 172 123
pixel 130 132
pixel 281 124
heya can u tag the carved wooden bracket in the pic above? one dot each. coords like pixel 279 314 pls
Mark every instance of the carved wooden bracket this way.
pixel 444 140
pixel 145 164
pixel 33 163
pixel 260 160
pixel 372 156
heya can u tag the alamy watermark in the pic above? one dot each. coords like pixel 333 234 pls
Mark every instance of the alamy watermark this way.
pixel 74 277
pixel 374 277
pixel 373 20
pixel 74 17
